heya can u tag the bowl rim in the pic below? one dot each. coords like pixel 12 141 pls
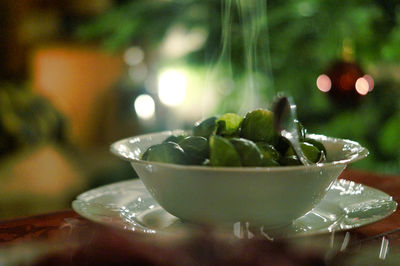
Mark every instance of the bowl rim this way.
pixel 116 149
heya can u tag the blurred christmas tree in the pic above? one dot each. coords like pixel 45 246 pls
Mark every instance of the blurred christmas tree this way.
pixel 26 120
pixel 305 39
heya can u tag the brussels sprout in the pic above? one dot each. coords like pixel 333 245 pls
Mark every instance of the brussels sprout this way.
pixel 258 126
pixel 268 150
pixel 205 128
pixel 282 145
pixel 222 152
pixel 289 160
pixel 174 138
pixel 166 152
pixel 269 162
pixel 250 154
pixel 229 124
pixel 145 155
pixel 311 152
pixel 317 144
pixel 195 148
pixel 230 140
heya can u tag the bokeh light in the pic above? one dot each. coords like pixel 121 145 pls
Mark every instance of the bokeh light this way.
pixel 133 56
pixel 362 86
pixel 180 41
pixel 144 106
pixel 306 9
pixel 172 87
pixel 138 73
pixel 370 81
pixel 324 83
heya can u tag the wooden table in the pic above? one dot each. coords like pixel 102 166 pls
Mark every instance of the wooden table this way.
pixel 56 227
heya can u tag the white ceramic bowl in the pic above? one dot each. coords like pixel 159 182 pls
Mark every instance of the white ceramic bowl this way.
pixel 269 196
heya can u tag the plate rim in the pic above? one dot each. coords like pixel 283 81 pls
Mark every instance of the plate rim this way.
pixel 82 198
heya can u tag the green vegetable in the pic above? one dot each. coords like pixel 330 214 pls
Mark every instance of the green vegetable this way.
pixel 269 162
pixel 166 152
pixel 268 150
pixel 250 154
pixel 222 152
pixel 258 125
pixel 196 149
pixel 228 124
pixel 289 160
pixel 205 128
pixel 311 152
pixel 174 138
pixel 145 155
pixel 317 144
pixel 231 140
pixel 282 145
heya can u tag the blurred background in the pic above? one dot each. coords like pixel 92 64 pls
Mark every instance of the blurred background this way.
pixel 77 75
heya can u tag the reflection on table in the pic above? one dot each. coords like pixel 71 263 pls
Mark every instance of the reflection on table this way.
pixel 66 238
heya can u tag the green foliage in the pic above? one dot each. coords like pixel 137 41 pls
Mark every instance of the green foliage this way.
pixel 374 124
pixel 390 50
pixel 26 119
pixel 139 21
pixel 303 38
pixel 389 140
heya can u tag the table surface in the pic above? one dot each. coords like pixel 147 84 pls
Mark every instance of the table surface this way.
pixel 57 225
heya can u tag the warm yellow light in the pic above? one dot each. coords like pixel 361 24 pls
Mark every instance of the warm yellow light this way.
pixel 172 87
pixel 324 83
pixel 362 86
pixel 144 106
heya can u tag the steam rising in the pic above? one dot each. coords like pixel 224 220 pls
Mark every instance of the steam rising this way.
pixel 251 86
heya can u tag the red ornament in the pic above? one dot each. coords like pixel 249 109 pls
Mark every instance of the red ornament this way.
pixel 345 82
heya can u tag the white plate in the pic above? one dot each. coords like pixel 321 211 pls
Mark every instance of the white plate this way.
pixel 128 205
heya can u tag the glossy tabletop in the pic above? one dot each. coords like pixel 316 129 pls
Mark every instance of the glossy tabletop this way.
pixel 62 226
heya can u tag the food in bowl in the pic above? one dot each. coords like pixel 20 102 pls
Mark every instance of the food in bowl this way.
pixel 236 141
pixel 269 196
